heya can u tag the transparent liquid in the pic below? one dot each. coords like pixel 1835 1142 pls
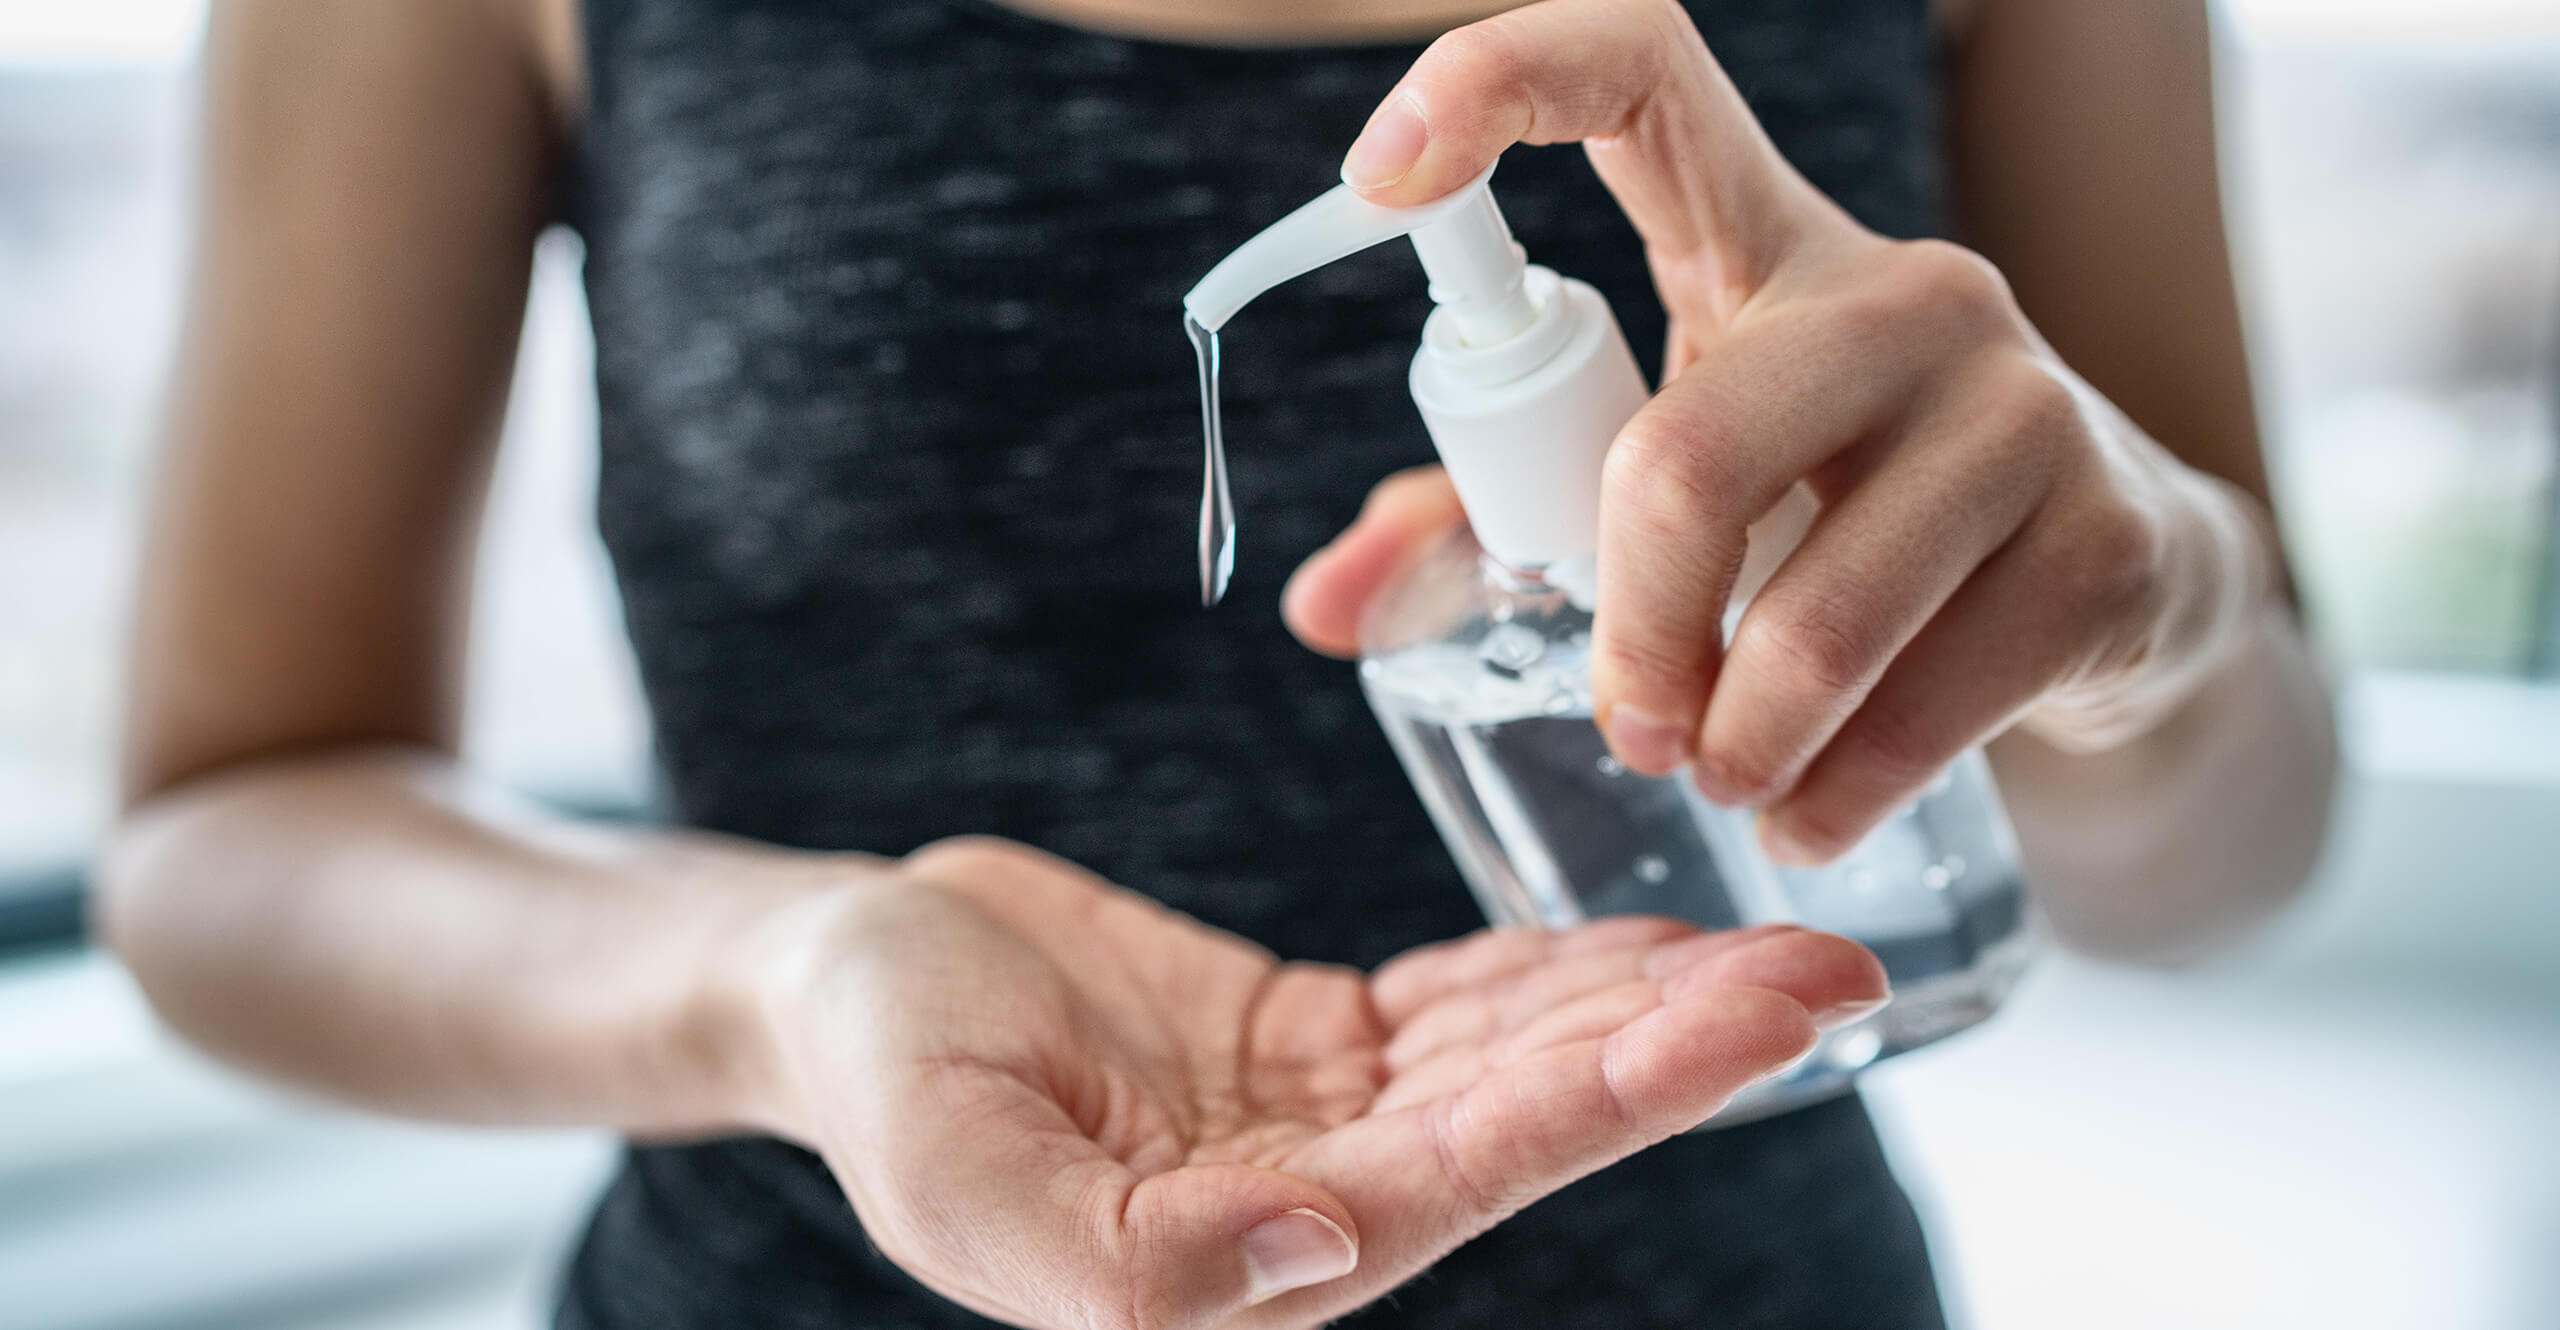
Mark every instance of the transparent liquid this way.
pixel 1483 687
pixel 1217 505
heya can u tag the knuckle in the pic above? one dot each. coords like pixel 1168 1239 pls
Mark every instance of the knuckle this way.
pixel 1928 291
pixel 1748 770
pixel 2029 420
pixel 2039 405
pixel 1871 314
pixel 1899 749
pixel 1650 669
pixel 1482 54
pixel 2117 567
pixel 1668 478
pixel 1947 275
pixel 1825 644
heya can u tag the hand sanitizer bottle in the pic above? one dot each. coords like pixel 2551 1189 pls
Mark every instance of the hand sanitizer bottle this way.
pixel 1478 661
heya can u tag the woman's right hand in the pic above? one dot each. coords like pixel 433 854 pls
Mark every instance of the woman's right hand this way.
pixel 1063 1105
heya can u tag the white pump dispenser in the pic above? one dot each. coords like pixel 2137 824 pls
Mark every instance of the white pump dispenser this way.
pixel 1523 378
pixel 1480 670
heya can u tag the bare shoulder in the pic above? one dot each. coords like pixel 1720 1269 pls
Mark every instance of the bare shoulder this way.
pixel 1954 18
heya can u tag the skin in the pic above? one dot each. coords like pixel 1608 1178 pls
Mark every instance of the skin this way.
pixel 1047 1098
pixel 1927 466
pixel 1265 22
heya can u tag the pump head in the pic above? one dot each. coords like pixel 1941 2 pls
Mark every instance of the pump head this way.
pixel 1476 269
pixel 1523 377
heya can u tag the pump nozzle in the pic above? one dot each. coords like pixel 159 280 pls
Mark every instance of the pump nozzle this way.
pixel 1466 248
pixel 1522 379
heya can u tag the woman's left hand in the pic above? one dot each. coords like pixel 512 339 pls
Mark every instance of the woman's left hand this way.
pixel 1995 539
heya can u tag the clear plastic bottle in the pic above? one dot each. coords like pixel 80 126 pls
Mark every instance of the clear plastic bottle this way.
pixel 1478 662
pixel 1481 675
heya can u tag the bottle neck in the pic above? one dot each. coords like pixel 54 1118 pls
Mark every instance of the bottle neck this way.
pixel 1576 580
pixel 1525 427
pixel 1522 579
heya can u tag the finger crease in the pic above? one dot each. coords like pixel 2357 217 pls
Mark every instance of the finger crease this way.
pixel 1469 1194
pixel 1618 1104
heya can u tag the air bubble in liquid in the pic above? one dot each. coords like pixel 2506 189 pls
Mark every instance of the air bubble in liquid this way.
pixel 1512 647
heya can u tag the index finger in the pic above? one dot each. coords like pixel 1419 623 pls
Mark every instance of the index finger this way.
pixel 1633 81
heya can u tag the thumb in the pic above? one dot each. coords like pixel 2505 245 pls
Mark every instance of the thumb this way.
pixel 990 1195
pixel 1334 587
pixel 1217 1238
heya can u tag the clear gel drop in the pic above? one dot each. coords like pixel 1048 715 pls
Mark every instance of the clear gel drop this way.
pixel 1217 506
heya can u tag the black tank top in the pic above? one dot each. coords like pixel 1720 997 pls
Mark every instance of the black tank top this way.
pixel 900 466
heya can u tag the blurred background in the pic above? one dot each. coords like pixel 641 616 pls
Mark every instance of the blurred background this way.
pixel 2349 1124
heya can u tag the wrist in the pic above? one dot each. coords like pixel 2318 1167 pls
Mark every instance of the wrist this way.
pixel 759 979
pixel 2218 565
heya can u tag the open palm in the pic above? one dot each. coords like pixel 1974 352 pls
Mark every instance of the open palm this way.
pixel 1063 1105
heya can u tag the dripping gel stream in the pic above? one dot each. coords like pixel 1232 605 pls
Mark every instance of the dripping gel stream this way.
pixel 1217 506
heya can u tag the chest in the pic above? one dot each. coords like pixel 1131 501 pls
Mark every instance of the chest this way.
pixel 904 275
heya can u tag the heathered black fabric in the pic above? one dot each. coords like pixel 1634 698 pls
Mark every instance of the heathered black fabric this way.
pixel 900 461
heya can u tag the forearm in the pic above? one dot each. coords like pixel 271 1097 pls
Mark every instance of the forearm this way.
pixel 2160 848
pixel 367 925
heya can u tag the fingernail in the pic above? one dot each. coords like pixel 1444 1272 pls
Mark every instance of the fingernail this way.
pixel 1646 741
pixel 1293 1250
pixel 1790 1065
pixel 1388 147
pixel 1849 1013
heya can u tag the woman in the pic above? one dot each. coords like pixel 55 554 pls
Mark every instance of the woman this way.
pixel 895 426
